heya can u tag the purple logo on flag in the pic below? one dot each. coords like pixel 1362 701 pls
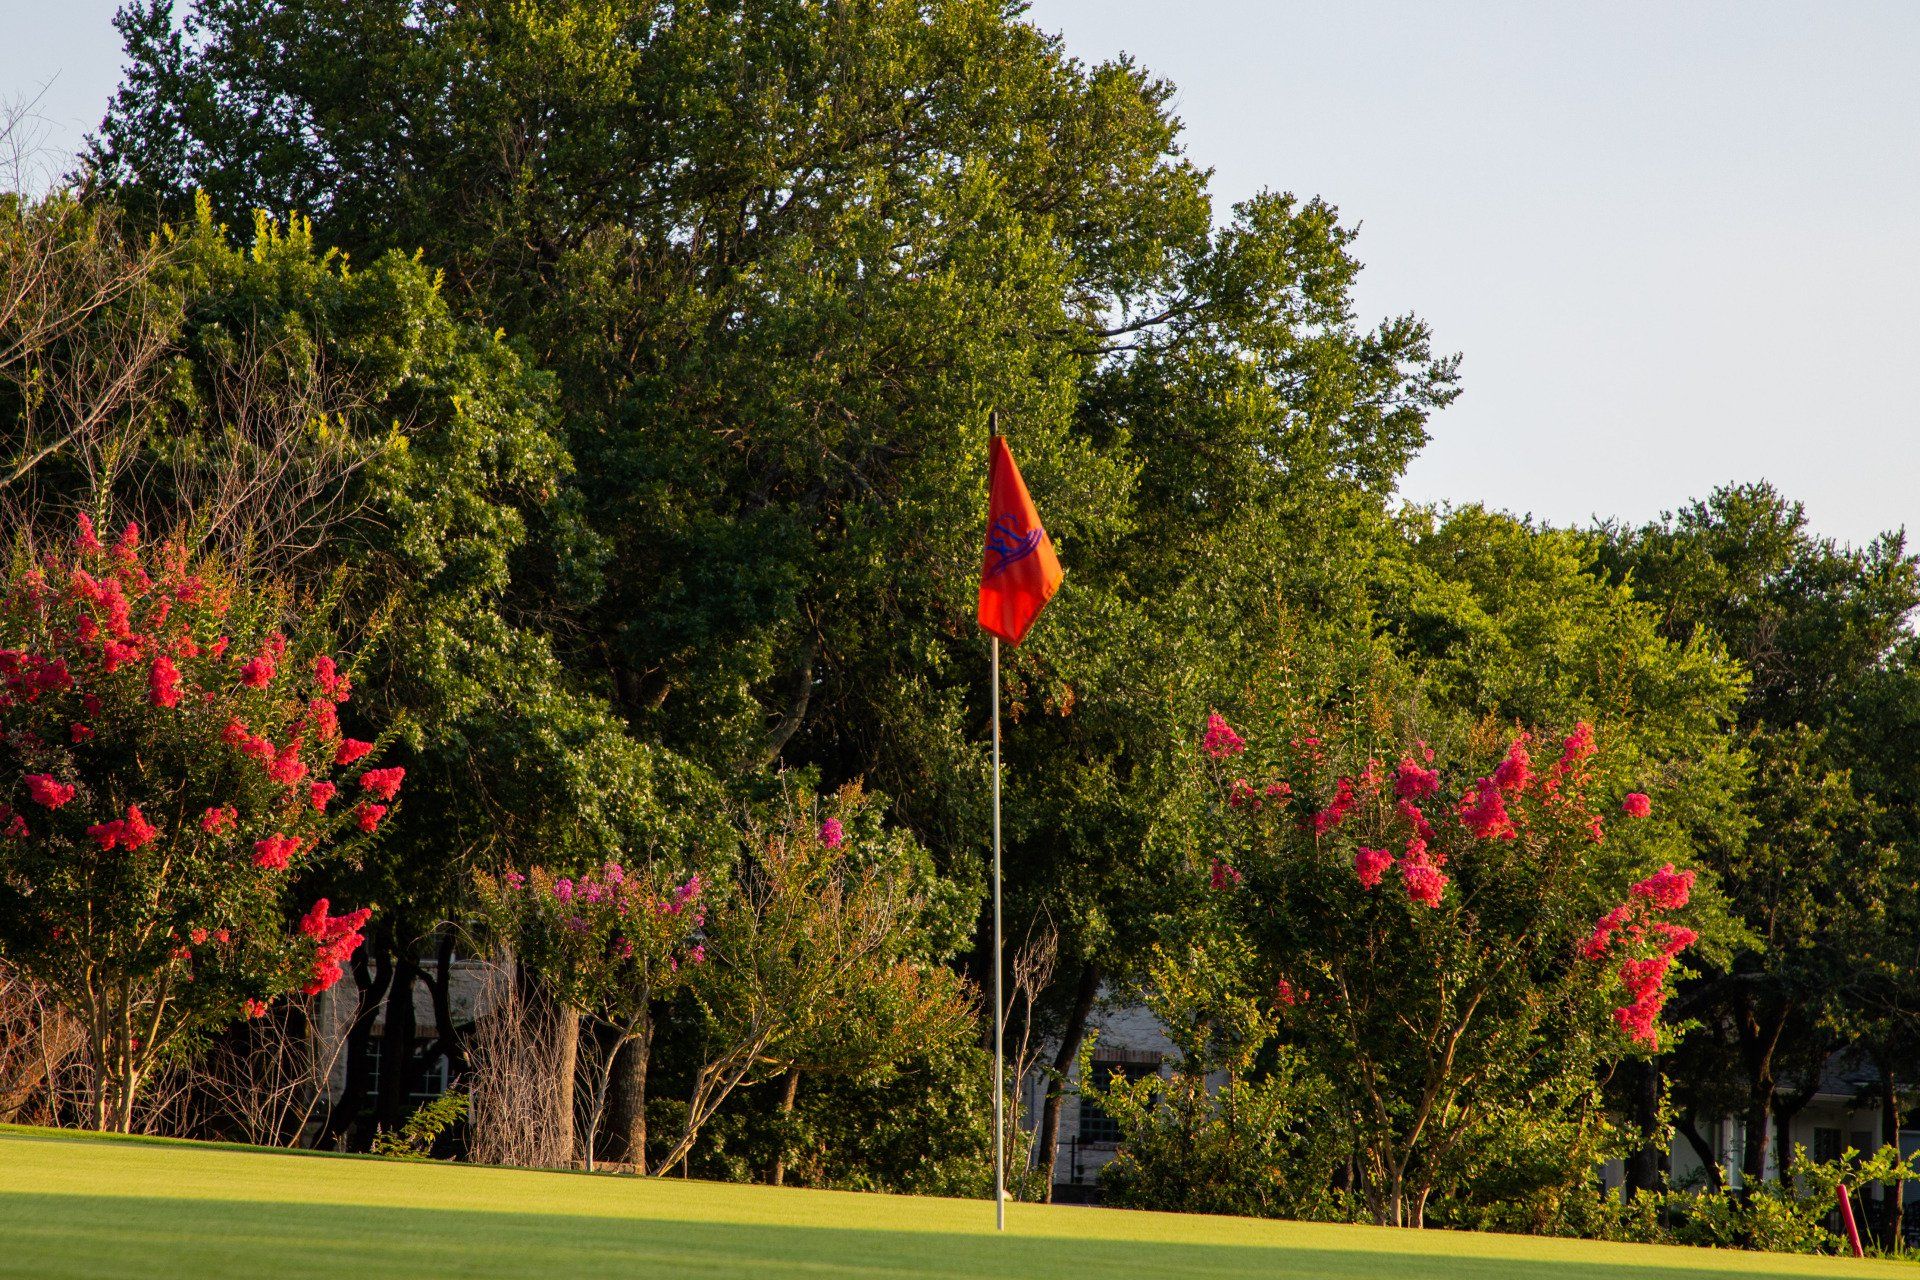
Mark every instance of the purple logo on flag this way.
pixel 1008 546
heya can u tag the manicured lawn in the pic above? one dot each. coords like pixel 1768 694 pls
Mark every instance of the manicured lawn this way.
pixel 74 1205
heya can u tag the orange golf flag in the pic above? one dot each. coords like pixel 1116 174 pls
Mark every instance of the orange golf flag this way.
pixel 1020 573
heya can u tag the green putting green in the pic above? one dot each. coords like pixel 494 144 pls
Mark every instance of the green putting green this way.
pixel 84 1205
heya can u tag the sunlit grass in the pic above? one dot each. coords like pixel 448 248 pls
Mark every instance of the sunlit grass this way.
pixel 83 1205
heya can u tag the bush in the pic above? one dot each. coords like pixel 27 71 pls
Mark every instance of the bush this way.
pixel 1240 1126
pixel 414 1140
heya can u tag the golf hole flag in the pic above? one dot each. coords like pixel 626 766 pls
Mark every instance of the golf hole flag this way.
pixel 1019 573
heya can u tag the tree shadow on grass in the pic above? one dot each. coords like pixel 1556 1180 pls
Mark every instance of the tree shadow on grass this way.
pixel 54 1237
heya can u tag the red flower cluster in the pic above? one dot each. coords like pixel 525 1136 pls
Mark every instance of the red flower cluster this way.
pixel 1644 977
pixel 129 833
pixel 1666 889
pixel 26 676
pixel 1637 805
pixel 1484 812
pixel 163 682
pixel 349 750
pixel 1604 928
pixel 1331 816
pixel 259 671
pixel 275 853
pixel 1515 773
pixel 332 684
pixel 1370 865
pixel 1416 819
pixel 326 719
pixel 1220 741
pixel 383 783
pixel 1576 751
pixel 1411 782
pixel 1421 875
pixel 1224 876
pixel 369 815
pixel 43 790
pixel 286 767
pixel 216 820
pixel 319 794
pixel 337 937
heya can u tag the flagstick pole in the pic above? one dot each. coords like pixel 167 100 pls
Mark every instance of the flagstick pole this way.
pixel 999 1007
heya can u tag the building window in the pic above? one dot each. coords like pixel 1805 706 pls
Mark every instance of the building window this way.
pixel 1826 1144
pixel 1097 1128
pixel 428 1085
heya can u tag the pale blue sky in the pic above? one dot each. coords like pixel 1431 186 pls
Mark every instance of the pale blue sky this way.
pixel 1675 242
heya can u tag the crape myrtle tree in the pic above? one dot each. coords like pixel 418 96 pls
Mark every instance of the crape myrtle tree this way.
pixel 1822 628
pixel 1454 932
pixel 173 770
pixel 817 951
pixel 1476 617
pixel 1505 618
pixel 783 258
pixel 607 945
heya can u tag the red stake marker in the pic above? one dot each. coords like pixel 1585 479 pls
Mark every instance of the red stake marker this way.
pixel 1846 1217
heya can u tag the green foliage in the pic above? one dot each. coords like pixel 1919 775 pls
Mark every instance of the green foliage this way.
pixel 1823 876
pixel 1530 1164
pixel 1240 1125
pixel 922 1126
pixel 707 508
pixel 414 1140
pixel 1785 1216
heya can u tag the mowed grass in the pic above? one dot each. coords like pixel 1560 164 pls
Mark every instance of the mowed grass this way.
pixel 82 1205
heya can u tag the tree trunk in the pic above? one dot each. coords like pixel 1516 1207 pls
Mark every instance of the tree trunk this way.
pixel 1046 1144
pixel 1783 1114
pixel 372 982
pixel 397 1063
pixel 627 1108
pixel 566 1065
pixel 449 1042
pixel 1785 1108
pixel 1759 1041
pixel 1643 1166
pixel 1759 1127
pixel 787 1096
pixel 1709 1158
pixel 125 1089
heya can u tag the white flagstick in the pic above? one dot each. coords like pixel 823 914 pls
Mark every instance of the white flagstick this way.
pixel 999 1009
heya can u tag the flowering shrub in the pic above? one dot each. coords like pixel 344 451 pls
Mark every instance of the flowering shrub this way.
pixel 606 945
pixel 1424 922
pixel 164 754
pixel 814 951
